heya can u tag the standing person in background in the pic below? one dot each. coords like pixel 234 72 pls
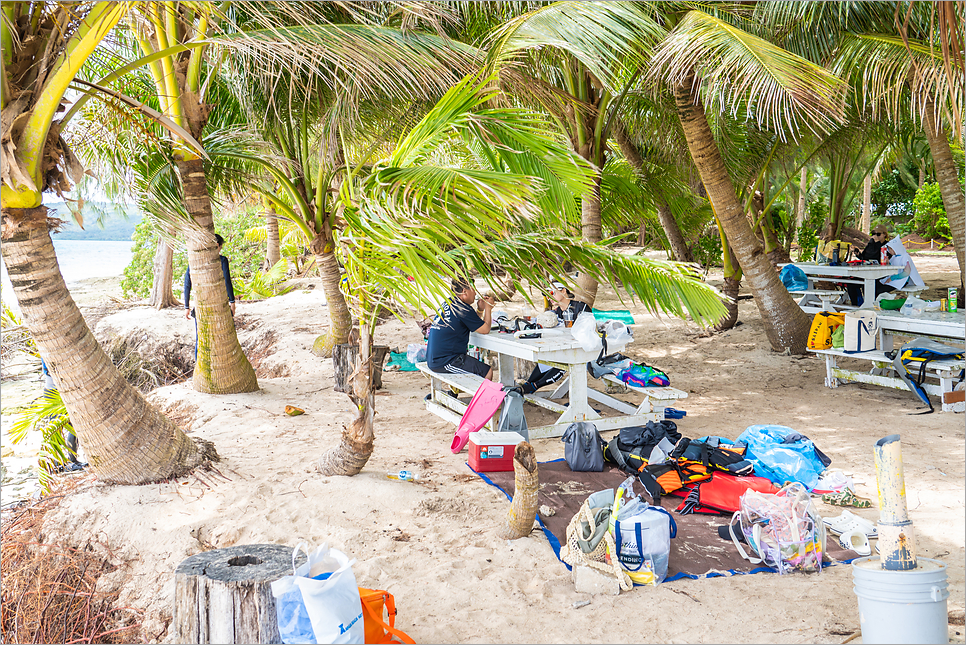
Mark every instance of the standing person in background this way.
pixel 567 307
pixel 226 271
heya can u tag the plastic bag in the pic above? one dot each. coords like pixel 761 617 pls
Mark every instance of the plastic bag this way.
pixel 782 530
pixel 793 278
pixel 320 602
pixel 416 352
pixel 913 306
pixel 618 334
pixel 782 462
pixel 584 332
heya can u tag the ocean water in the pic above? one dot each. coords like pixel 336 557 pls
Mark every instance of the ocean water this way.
pixel 80 260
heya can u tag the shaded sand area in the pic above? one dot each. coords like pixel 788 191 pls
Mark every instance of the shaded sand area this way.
pixel 433 544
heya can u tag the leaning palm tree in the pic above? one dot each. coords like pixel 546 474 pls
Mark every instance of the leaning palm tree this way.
pixel 713 66
pixel 44 45
pixel 412 223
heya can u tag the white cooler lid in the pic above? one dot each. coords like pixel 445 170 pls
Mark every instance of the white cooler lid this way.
pixel 484 438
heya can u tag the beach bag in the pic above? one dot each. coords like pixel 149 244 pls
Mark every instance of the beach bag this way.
pixel 642 536
pixel 583 447
pixel 375 604
pixel 820 333
pixel 642 375
pixel 860 331
pixel 782 530
pixel 793 278
pixel 782 455
pixel 512 418
pixel 912 359
pixel 589 540
pixel 319 602
pixel 722 495
pixel 838 337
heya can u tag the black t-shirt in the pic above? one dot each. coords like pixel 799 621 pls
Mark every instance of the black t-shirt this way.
pixel 872 251
pixel 576 308
pixel 449 336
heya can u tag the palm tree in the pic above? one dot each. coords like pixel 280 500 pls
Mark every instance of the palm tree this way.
pixel 412 223
pixel 909 60
pixel 44 45
pixel 709 61
pixel 576 61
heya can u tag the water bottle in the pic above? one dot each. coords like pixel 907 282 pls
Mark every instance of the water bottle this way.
pixel 403 476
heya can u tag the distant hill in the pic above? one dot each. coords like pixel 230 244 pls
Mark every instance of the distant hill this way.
pixel 118 221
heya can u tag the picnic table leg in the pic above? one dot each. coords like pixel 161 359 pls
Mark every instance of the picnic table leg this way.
pixel 578 409
pixel 868 291
pixel 505 365
pixel 830 381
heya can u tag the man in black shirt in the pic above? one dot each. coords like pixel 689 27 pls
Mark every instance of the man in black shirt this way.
pixel 449 337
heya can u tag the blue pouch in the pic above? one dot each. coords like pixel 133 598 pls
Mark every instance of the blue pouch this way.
pixel 782 462
pixel 793 278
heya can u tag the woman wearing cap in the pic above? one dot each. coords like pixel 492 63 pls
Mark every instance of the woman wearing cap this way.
pixel 871 252
pixel 543 375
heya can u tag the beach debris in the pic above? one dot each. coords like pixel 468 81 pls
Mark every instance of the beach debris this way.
pixel 581 603
pixel 293 411
pixel 523 508
pixel 546 511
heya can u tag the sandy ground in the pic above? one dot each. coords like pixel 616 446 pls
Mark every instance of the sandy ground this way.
pixel 434 545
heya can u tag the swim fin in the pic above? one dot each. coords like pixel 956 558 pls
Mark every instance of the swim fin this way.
pixel 484 404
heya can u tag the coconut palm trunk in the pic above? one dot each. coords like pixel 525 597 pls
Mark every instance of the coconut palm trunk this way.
pixel 161 295
pixel 590 230
pixel 221 367
pixel 949 186
pixel 273 244
pixel 786 325
pixel 352 453
pixel 340 319
pixel 679 247
pixel 126 439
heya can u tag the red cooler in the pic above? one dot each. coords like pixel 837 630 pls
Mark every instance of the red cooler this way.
pixel 493 451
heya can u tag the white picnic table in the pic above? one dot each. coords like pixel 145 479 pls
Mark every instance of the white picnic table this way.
pixel 560 349
pixel 946 327
pixel 814 300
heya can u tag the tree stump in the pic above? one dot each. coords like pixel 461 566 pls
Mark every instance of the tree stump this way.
pixel 225 596
pixel 344 360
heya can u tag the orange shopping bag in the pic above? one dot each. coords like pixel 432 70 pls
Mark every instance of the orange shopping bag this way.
pixel 377 630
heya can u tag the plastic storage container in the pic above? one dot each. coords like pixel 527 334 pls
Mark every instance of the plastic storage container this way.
pixel 493 451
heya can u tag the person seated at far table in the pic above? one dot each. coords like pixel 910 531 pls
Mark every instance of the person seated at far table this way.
pixel 872 251
pixel 543 375
pixel 449 335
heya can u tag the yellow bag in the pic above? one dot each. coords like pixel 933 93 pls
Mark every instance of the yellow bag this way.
pixel 820 333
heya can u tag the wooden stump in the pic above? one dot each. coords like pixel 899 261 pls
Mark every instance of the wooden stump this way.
pixel 344 360
pixel 225 596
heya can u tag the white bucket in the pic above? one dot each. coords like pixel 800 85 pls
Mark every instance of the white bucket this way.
pixel 901 606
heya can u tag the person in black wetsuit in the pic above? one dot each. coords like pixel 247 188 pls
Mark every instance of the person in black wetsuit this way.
pixel 543 375
pixel 226 271
pixel 872 251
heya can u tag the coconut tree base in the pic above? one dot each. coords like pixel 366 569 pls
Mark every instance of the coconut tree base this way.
pixel 730 289
pixel 325 344
pixel 348 458
pixel 526 481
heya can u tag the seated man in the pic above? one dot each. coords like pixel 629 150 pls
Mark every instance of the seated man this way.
pixel 449 336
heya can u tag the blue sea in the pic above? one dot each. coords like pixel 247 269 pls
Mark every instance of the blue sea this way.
pixel 81 260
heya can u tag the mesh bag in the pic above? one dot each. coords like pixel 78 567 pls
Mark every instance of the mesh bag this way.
pixel 584 526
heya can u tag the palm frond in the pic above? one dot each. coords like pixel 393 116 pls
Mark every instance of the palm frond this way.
pixel 783 92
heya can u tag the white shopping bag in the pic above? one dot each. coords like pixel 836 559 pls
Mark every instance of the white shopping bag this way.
pixel 860 331
pixel 320 602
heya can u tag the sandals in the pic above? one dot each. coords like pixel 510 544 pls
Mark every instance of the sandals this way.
pixel 846 498
pixel 856 540
pixel 847 523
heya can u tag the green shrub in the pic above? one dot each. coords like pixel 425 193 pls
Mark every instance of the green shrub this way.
pixel 930 219
pixel 707 251
pixel 815 215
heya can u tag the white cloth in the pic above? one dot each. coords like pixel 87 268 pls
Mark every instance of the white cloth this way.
pixel 908 273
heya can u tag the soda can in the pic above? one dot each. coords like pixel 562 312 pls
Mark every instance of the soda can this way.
pixel 953 294
pixel 943 304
